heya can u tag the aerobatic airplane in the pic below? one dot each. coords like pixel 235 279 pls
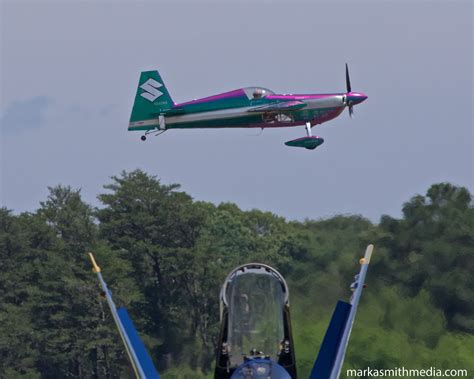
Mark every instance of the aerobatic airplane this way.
pixel 250 107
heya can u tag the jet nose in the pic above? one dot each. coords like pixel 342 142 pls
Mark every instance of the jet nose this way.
pixel 356 97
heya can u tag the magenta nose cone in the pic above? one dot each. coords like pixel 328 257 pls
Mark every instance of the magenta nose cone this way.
pixel 356 97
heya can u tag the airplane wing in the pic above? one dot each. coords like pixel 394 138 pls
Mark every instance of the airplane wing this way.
pixel 279 107
pixel 331 355
pixel 136 351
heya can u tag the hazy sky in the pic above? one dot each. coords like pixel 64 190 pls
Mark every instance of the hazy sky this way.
pixel 69 72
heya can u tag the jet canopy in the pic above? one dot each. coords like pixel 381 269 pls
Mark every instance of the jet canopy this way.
pixel 255 296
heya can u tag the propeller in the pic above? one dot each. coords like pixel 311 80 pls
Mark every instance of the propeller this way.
pixel 348 80
pixel 348 88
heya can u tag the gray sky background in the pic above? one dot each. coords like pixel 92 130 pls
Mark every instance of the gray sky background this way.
pixel 69 73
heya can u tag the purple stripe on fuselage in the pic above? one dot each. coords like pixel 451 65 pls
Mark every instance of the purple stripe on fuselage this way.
pixel 303 97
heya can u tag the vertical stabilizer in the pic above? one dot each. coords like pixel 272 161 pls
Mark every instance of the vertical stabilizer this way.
pixel 331 355
pixel 140 359
pixel 151 100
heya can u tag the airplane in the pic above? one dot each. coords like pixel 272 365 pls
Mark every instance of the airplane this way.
pixel 252 107
pixel 255 339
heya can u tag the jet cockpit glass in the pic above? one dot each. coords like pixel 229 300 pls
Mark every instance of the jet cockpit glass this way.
pixel 255 298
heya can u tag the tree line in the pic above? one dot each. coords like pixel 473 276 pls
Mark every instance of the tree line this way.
pixel 165 255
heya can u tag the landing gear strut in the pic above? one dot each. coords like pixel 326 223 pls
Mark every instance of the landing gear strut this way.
pixel 308 129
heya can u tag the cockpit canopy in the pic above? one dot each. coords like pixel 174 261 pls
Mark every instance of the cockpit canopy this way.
pixel 255 296
pixel 254 93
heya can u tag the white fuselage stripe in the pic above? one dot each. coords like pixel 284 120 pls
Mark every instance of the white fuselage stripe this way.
pixel 332 102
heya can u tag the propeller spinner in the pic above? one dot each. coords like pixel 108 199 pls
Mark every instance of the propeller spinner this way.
pixel 352 98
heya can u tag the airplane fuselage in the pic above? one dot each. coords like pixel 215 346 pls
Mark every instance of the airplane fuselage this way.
pixel 237 109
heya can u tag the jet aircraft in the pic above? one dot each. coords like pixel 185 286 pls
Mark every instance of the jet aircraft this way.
pixel 252 107
pixel 255 340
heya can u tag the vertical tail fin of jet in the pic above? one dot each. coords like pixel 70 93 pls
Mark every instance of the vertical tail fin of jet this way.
pixel 141 361
pixel 152 98
pixel 331 355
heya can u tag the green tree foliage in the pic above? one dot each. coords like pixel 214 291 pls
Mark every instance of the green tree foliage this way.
pixel 49 303
pixel 165 257
pixel 432 248
pixel 155 228
pixel 18 352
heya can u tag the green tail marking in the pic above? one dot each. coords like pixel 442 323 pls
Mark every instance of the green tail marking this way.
pixel 152 97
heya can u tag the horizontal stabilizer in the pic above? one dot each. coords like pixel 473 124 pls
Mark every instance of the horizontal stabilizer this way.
pixel 173 112
pixel 279 107
pixel 327 353
pixel 307 142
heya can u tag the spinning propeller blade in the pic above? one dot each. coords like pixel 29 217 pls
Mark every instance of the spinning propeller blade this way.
pixel 348 80
pixel 348 88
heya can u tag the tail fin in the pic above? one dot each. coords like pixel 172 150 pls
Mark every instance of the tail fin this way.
pixel 330 359
pixel 152 98
pixel 141 361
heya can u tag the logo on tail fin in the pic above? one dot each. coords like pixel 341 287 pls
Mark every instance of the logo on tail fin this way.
pixel 151 90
